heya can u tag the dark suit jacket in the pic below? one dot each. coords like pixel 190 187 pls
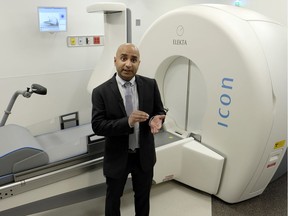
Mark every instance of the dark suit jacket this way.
pixel 109 119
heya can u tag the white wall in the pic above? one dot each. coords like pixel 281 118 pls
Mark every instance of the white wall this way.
pixel 28 56
pixel 26 51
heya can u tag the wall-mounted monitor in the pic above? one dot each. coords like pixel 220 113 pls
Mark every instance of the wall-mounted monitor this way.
pixel 52 19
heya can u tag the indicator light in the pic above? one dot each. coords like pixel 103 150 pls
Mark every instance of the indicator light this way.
pixel 238 3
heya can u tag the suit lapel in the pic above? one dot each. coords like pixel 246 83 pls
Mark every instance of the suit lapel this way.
pixel 140 91
pixel 116 92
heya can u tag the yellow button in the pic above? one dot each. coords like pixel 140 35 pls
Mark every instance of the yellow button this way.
pixel 279 144
pixel 73 41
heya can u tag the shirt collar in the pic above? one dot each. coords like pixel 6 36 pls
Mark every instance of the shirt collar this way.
pixel 122 82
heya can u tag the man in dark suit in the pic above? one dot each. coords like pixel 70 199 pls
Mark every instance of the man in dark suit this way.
pixel 129 140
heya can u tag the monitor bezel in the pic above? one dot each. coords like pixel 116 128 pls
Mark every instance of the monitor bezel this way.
pixel 52 8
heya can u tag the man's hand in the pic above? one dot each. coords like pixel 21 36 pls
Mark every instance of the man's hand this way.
pixel 156 123
pixel 137 116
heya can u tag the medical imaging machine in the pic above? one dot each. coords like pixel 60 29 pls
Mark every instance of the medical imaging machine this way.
pixel 234 90
pixel 221 71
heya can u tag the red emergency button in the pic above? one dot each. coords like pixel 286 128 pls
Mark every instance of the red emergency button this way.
pixel 96 40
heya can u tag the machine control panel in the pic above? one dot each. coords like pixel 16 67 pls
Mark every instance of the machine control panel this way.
pixel 85 41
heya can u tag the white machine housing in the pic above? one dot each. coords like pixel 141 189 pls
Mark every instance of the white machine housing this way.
pixel 236 63
pixel 115 29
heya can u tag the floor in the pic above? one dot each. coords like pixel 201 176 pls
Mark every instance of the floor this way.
pixel 175 199
pixel 169 199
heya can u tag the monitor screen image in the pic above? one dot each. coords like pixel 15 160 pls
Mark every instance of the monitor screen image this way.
pixel 52 19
